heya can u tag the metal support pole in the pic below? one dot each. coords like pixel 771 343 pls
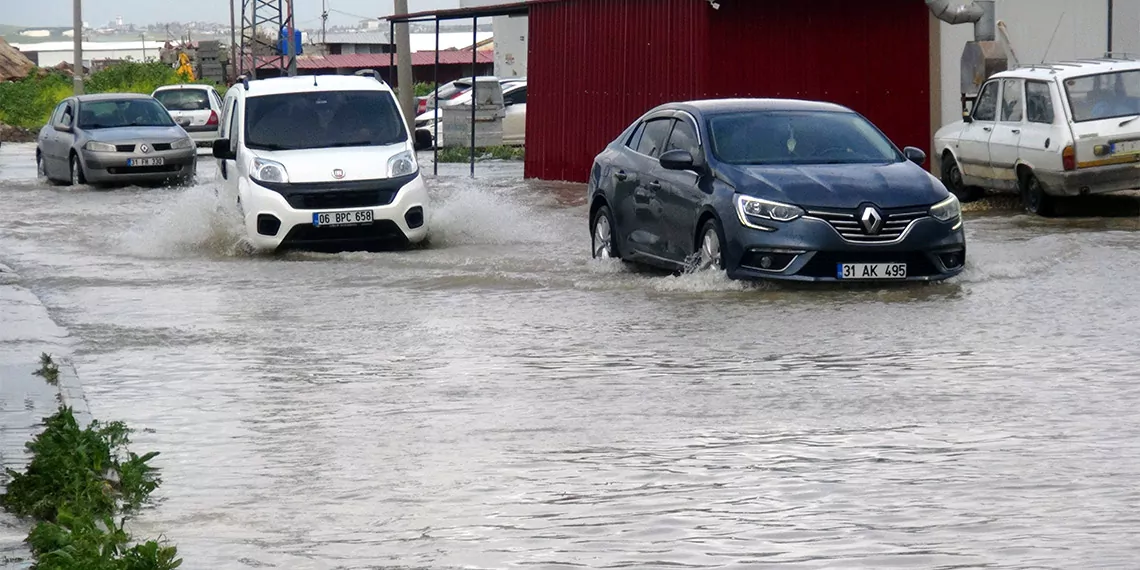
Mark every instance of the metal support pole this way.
pixel 391 54
pixel 1110 11
pixel 234 67
pixel 405 81
pixel 292 49
pixel 77 50
pixel 435 124
pixel 474 85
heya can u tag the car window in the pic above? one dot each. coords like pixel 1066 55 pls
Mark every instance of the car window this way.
pixel 635 138
pixel 123 113
pixel 57 114
pixel 184 99
pixel 233 131
pixel 1038 102
pixel 798 137
pixel 654 137
pixel 684 137
pixel 985 109
pixel 1102 96
pixel 68 115
pixel 323 119
pixel 1011 101
pixel 516 97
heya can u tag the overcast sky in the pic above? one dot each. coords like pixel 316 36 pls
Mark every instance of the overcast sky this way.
pixel 100 12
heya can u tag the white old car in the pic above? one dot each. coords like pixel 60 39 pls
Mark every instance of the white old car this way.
pixel 1049 130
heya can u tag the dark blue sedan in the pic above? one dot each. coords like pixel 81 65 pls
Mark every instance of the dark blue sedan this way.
pixel 772 189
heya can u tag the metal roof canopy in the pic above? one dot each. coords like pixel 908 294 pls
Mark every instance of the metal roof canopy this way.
pixel 437 16
pixel 507 9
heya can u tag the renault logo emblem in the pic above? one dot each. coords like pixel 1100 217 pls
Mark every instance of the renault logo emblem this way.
pixel 871 220
pixel 145 148
pixel 338 174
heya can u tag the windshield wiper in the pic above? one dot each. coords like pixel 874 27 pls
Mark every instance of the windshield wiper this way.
pixel 351 143
pixel 269 146
pixel 1130 120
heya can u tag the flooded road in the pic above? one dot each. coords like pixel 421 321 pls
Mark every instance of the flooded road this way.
pixel 500 400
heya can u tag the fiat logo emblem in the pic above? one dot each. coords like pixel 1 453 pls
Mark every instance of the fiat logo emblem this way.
pixel 144 148
pixel 338 174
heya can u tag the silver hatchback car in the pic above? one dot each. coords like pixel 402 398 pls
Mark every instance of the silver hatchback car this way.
pixel 115 138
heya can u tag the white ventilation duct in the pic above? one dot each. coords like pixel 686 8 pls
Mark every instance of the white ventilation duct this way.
pixel 979 13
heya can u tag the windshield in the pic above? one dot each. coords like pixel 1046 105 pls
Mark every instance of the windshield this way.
pixel 798 137
pixel 1104 96
pixel 323 119
pixel 184 99
pixel 123 113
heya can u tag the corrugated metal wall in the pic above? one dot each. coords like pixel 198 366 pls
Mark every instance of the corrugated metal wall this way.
pixel 596 65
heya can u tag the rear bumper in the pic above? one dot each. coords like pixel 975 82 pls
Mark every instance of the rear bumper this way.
pixel 112 167
pixel 1093 180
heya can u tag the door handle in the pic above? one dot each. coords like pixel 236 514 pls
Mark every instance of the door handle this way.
pixel 621 175
pixel 987 129
pixel 655 186
pixel 1016 131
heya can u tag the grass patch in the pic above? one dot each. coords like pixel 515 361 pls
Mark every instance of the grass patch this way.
pixel 29 102
pixel 78 483
pixel 461 154
pixel 49 370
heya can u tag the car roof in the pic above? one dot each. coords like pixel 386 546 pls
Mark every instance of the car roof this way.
pixel 198 86
pixel 1067 69
pixel 311 83
pixel 735 105
pixel 110 97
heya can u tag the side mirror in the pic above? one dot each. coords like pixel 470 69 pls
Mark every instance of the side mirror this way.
pixel 222 150
pixel 422 140
pixel 63 128
pixel 967 118
pixel 677 159
pixel 915 155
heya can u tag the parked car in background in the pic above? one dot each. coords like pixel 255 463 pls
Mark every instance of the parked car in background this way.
pixel 115 138
pixel 514 93
pixel 1046 131
pixel 196 108
pixel 321 162
pixel 772 189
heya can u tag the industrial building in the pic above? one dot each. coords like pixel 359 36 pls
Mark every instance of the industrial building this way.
pixel 596 65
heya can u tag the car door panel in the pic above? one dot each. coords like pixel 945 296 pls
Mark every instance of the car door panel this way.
pixel 679 195
pixel 1041 139
pixel 1006 136
pixel 973 147
pixel 648 208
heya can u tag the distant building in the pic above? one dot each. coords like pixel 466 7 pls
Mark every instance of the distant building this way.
pixel 51 54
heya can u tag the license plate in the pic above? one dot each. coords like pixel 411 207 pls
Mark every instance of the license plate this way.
pixel 342 218
pixel 871 271
pixel 1125 147
pixel 145 161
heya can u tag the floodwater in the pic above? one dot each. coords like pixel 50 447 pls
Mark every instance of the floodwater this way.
pixel 499 400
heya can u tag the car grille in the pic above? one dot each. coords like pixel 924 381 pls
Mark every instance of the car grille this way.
pixel 334 195
pixel 846 223
pixel 131 147
pixel 823 264
pixel 383 233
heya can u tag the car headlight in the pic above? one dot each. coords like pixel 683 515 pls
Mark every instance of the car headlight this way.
pixel 947 210
pixel 99 146
pixel 268 171
pixel 402 164
pixel 181 144
pixel 766 209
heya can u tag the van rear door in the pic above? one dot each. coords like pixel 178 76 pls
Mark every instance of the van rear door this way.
pixel 1105 118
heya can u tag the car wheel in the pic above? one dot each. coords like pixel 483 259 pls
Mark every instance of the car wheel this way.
pixel 41 169
pixel 1034 198
pixel 77 177
pixel 711 247
pixel 602 235
pixel 952 179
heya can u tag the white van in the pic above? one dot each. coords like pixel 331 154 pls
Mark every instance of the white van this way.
pixel 320 161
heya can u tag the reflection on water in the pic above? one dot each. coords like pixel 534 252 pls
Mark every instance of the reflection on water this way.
pixel 500 400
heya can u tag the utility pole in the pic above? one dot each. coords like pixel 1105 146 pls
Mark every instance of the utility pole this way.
pixel 324 20
pixel 404 66
pixel 234 67
pixel 77 55
pixel 292 45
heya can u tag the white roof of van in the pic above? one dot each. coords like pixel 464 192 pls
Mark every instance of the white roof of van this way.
pixel 311 83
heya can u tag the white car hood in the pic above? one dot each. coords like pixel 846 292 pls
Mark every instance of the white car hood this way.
pixel 318 165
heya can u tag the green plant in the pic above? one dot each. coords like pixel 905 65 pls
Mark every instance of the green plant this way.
pixel 48 369
pixel 463 154
pixel 424 89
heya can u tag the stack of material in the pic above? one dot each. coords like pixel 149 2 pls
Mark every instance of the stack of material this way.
pixel 210 61
pixel 13 64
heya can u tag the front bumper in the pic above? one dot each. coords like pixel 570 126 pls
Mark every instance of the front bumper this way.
pixel 282 217
pixel 1091 180
pixel 111 167
pixel 809 249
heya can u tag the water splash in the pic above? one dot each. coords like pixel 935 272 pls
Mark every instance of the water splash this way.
pixel 479 215
pixel 198 221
